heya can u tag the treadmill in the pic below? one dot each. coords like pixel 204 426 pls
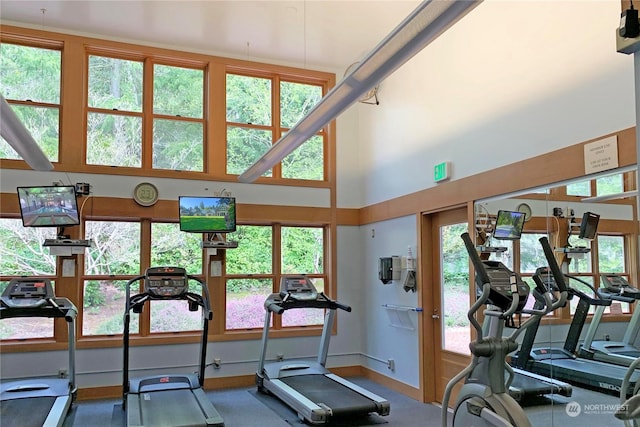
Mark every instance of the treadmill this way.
pixel 167 400
pixel 43 401
pixel 309 388
pixel 616 288
pixel 562 363
pixel 527 385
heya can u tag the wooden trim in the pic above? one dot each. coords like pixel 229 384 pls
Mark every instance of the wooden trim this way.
pixel 391 383
pixel 549 168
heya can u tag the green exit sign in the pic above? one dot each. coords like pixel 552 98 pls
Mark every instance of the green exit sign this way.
pixel 441 172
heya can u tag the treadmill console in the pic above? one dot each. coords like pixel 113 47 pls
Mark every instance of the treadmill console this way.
pixel 501 279
pixel 166 282
pixel 27 292
pixel 298 288
pixel 616 284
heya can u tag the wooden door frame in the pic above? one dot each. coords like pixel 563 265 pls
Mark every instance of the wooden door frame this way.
pixel 427 294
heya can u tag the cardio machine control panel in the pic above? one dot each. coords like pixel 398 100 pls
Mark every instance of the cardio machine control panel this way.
pixel 502 279
pixel 166 282
pixel 616 284
pixel 27 292
pixel 298 288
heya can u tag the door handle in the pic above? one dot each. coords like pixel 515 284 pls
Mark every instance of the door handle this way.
pixel 435 316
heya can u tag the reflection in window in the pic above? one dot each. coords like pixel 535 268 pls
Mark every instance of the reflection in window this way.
pixel 611 184
pixel 582 188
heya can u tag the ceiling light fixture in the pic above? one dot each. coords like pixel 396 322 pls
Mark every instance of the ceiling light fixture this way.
pixel 421 27
pixel 14 132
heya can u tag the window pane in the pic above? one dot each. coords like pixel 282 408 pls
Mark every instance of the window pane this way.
pixel 248 100
pixel 115 249
pixel 30 73
pixel 115 84
pixel 114 140
pixel 245 302
pixel 177 145
pixel 21 250
pixel 244 147
pixel 610 184
pixel 296 100
pixel 18 328
pixel 305 316
pixel 178 91
pixel 611 254
pixel 174 315
pixel 302 250
pixel 104 304
pixel 582 188
pixel 531 253
pixel 42 124
pixel 171 247
pixel 254 252
pixel 306 161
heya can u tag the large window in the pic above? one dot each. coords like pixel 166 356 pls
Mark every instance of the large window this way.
pixel 30 82
pixel 251 130
pixel 113 259
pixel 250 275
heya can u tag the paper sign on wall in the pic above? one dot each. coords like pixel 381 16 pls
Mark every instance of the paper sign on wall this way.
pixel 601 155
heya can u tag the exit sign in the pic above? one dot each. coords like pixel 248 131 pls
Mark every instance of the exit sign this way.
pixel 441 172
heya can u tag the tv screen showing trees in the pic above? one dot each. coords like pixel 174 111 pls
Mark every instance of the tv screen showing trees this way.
pixel 207 214
pixel 508 225
pixel 48 206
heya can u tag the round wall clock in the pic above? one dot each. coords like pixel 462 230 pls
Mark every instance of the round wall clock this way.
pixel 145 194
pixel 526 210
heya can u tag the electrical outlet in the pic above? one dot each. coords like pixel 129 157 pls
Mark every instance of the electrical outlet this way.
pixel 62 373
pixel 280 357
pixel 391 364
pixel 216 363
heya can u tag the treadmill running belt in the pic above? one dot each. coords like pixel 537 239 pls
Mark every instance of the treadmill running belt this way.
pixel 27 412
pixel 342 400
pixel 168 408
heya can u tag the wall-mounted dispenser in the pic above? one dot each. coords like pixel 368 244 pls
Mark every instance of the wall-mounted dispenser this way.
pixel 385 270
pixel 389 268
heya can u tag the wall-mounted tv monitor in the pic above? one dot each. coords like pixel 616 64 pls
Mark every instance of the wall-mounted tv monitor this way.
pixel 589 226
pixel 207 214
pixel 508 225
pixel 48 206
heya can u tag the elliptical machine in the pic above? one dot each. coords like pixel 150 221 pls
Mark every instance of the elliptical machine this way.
pixel 484 399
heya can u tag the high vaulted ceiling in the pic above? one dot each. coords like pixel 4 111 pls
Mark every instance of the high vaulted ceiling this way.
pixel 327 34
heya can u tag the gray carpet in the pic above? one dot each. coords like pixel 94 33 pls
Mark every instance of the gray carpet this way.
pixel 245 407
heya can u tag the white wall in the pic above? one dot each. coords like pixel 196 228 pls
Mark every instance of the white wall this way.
pixel 510 81
pixel 382 340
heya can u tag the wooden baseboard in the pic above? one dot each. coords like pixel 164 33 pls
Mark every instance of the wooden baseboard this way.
pixel 114 392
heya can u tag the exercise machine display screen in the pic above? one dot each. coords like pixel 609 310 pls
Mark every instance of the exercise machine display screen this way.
pixel 166 282
pixel 501 280
pixel 298 287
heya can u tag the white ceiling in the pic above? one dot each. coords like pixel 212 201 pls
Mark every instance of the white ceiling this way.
pixel 326 34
